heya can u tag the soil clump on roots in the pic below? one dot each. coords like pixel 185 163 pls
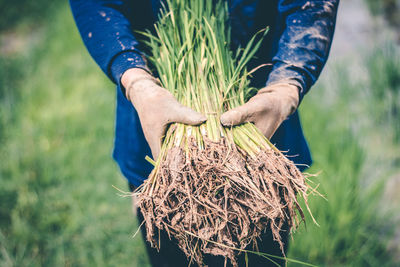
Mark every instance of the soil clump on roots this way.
pixel 218 200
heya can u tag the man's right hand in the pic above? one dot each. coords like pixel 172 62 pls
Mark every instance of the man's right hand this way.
pixel 156 107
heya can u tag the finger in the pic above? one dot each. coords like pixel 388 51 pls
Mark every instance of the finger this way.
pixel 155 150
pixel 154 139
pixel 155 145
pixel 235 116
pixel 268 127
pixel 186 115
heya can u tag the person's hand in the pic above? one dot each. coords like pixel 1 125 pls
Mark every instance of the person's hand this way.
pixel 156 107
pixel 267 109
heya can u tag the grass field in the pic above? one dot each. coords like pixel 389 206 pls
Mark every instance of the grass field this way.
pixel 57 203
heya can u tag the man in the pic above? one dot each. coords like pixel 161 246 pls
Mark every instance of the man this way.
pixel 297 46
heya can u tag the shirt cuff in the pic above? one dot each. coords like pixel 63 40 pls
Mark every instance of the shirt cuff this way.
pixel 124 61
pixel 283 73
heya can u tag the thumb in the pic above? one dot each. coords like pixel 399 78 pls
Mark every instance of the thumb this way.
pixel 234 116
pixel 185 115
pixel 154 139
pixel 155 149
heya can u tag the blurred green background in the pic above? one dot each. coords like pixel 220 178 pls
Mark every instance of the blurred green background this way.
pixel 57 203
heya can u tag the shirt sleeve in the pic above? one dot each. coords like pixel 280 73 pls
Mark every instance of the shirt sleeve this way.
pixel 107 34
pixel 304 45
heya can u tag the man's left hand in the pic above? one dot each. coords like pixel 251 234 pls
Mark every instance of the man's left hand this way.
pixel 267 109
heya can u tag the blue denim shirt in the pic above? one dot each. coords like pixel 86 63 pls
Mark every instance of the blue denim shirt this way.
pixel 297 47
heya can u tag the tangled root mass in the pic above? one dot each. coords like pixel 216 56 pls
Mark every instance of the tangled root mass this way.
pixel 218 200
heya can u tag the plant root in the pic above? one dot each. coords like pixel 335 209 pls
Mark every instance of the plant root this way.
pixel 218 200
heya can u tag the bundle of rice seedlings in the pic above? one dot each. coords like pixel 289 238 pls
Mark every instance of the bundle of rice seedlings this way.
pixel 214 189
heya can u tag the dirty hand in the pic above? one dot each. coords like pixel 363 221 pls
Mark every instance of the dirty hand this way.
pixel 267 109
pixel 156 107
